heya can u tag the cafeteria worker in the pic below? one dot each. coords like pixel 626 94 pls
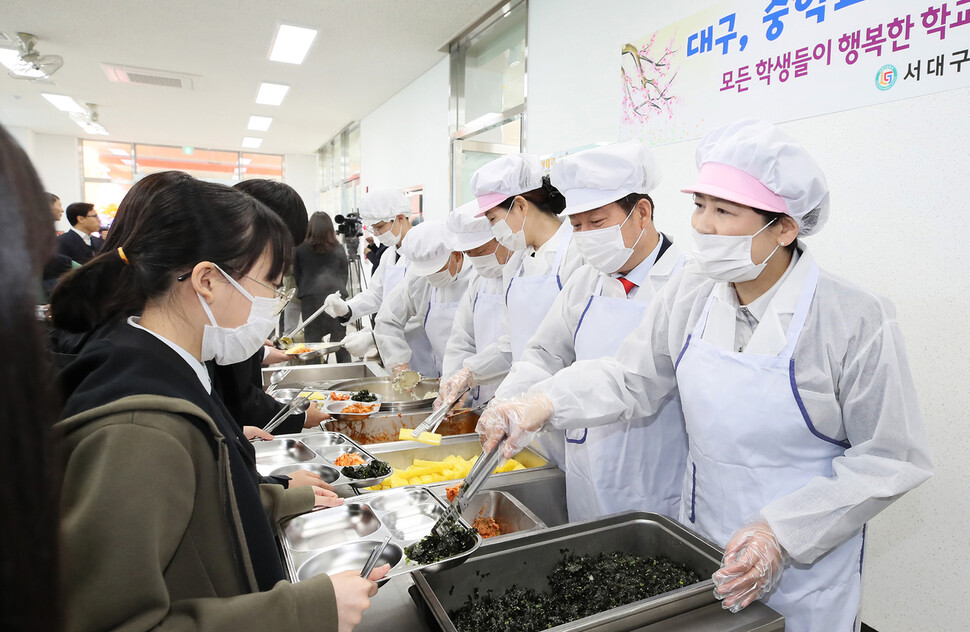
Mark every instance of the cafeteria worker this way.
pixel 801 412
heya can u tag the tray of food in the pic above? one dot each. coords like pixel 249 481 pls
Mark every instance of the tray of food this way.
pixel 497 515
pixel 384 427
pixel 419 398
pixel 336 458
pixel 341 538
pixel 621 572
pixel 420 464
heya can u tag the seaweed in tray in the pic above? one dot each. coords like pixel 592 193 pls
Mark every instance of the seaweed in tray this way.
pixel 580 586
pixel 374 469
pixel 434 548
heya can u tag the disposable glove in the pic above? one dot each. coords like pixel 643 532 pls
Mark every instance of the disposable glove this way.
pixel 520 418
pixel 360 343
pixel 398 369
pixel 334 306
pixel 448 389
pixel 752 565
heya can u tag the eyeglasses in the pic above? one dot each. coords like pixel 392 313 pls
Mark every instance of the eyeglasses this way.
pixel 283 297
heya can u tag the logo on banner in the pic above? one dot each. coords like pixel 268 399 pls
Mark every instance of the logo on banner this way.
pixel 886 77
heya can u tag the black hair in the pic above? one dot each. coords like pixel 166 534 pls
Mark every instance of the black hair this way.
pixel 629 202
pixel 321 235
pixel 546 198
pixel 283 200
pixel 52 198
pixel 167 223
pixel 76 210
pixel 30 598
pixel 770 216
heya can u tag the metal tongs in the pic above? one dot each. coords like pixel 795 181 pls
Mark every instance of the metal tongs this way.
pixel 434 419
pixel 285 341
pixel 297 405
pixel 479 473
pixel 374 557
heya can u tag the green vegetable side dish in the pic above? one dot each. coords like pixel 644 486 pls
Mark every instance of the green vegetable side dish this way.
pixel 434 548
pixel 579 586
pixel 374 469
pixel 364 395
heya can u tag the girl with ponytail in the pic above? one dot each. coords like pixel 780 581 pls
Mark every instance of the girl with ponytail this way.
pixel 165 517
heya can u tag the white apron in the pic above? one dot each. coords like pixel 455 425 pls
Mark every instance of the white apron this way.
pixel 422 360
pixel 528 299
pixel 633 465
pixel 488 324
pixel 751 442
pixel 437 326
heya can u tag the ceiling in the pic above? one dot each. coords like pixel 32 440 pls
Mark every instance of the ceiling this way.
pixel 365 52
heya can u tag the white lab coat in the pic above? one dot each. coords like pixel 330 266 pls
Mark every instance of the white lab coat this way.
pixel 369 300
pixel 851 373
pixel 482 303
pixel 492 364
pixel 404 312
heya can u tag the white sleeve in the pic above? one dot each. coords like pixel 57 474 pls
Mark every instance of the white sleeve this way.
pixel 491 364
pixel 551 348
pixel 368 301
pixel 400 307
pixel 461 343
pixel 635 383
pixel 889 454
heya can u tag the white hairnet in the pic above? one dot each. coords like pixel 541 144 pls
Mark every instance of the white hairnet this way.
pixel 504 177
pixel 470 231
pixel 427 247
pixel 595 177
pixel 381 205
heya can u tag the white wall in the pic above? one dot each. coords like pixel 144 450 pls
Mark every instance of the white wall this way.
pixel 405 142
pixel 898 174
pixel 300 172
pixel 24 137
pixel 58 162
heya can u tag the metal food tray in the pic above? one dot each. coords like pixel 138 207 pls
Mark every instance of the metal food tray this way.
pixel 312 452
pixel 341 538
pixel 513 517
pixel 529 559
pixel 392 400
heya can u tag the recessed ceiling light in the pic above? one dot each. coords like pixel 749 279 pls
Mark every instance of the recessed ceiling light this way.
pixel 271 93
pixel 64 103
pixel 259 123
pixel 251 142
pixel 291 43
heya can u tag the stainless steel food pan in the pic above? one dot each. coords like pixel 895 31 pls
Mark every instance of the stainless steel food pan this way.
pixel 315 453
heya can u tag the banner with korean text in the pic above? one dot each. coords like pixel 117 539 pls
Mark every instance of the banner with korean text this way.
pixel 782 60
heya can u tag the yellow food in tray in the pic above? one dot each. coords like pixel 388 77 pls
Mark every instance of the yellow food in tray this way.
pixel 422 472
pixel 298 348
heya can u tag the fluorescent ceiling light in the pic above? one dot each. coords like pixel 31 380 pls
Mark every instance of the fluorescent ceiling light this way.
pixel 271 93
pixel 10 57
pixel 259 123
pixel 291 43
pixel 118 152
pixel 251 142
pixel 64 103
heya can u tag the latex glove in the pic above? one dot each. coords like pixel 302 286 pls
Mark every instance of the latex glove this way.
pixel 314 417
pixel 252 432
pixel 519 417
pixel 752 565
pixel 398 369
pixel 353 594
pixel 334 306
pixel 360 343
pixel 449 389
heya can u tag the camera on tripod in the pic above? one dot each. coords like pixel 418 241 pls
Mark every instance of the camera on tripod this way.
pixel 350 225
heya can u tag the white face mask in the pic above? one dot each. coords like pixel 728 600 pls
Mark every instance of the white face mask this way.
pixel 388 238
pixel 229 346
pixel 504 235
pixel 487 266
pixel 728 257
pixel 604 248
pixel 441 279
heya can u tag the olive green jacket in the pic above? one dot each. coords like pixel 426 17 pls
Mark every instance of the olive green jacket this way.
pixel 151 534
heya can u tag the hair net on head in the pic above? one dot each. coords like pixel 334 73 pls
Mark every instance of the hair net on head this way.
pixel 470 230
pixel 754 163
pixel 595 177
pixel 504 177
pixel 381 205
pixel 427 247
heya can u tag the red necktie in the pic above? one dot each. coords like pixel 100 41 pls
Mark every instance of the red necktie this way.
pixel 627 284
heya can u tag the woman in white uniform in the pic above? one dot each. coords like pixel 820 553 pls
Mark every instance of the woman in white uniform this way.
pixel 478 321
pixel 414 323
pixel 801 413
pixel 386 212
pixel 636 464
pixel 522 208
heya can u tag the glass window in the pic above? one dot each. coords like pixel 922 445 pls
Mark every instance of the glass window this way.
pixel 107 161
pixel 479 149
pixel 205 164
pixel 265 166
pixel 353 153
pixel 494 66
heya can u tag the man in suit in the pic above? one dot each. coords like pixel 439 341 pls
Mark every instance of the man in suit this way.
pixel 78 243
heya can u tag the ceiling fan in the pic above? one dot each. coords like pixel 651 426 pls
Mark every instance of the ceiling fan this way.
pixel 27 63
